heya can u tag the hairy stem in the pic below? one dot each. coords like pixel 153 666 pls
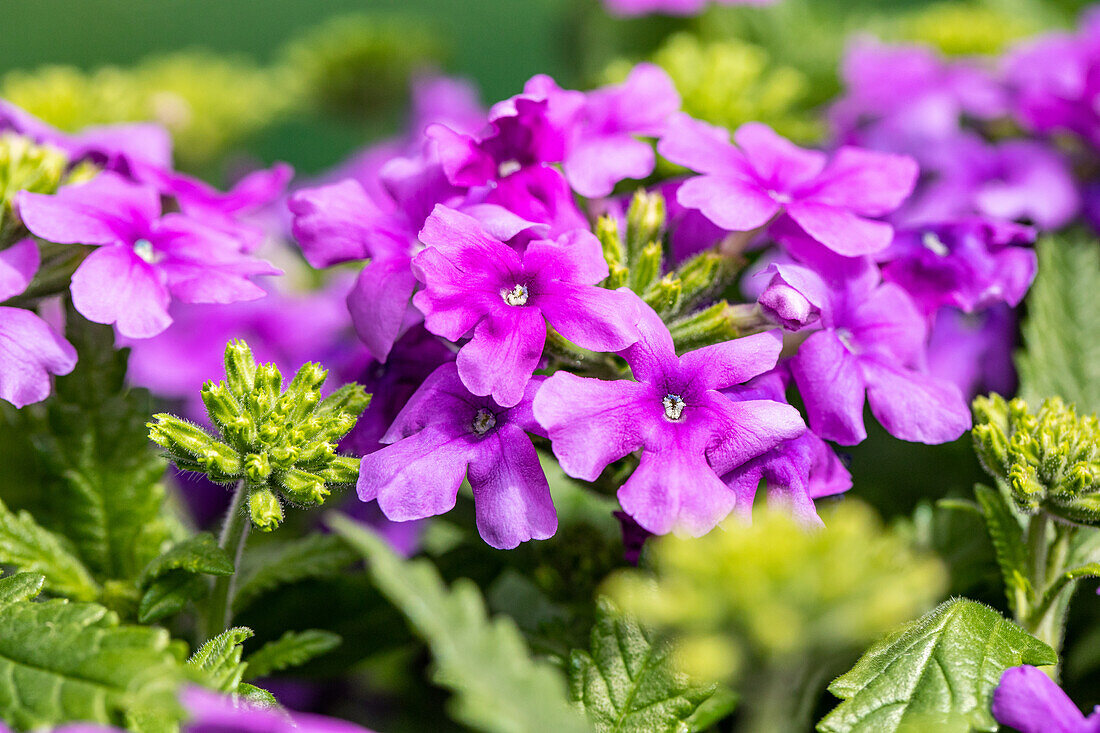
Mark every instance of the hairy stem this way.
pixel 233 535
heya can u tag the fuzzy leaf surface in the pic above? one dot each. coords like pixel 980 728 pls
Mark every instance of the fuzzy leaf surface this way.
pixel 1061 335
pixel 1007 535
pixel 936 673
pixel 292 649
pixel 267 568
pixel 198 554
pixel 28 547
pixel 627 683
pixel 220 658
pixel 498 686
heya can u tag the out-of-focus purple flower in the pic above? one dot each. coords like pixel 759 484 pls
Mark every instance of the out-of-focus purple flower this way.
pixel 969 264
pixel 688 432
pixel 114 147
pixel 592 134
pixel 30 350
pixel 1055 80
pixel 445 434
pixel 475 283
pixel 671 7
pixel 795 472
pixel 872 342
pixel 974 350
pixel 210 712
pixel 1031 702
pixel 1017 180
pixel 743 188
pixel 634 537
pixel 903 99
pixel 142 259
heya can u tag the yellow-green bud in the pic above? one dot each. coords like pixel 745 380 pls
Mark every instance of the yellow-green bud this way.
pixel 265 510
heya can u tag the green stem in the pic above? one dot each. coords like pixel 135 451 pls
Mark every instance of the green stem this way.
pixel 233 535
pixel 784 697
pixel 1037 551
pixel 1047 561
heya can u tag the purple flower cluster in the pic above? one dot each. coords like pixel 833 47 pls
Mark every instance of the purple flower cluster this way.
pixel 157 235
pixel 477 232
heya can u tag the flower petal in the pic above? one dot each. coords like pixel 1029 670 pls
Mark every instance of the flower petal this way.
pixel 1030 701
pixel 591 422
pixel 596 164
pixel 575 257
pixel 378 303
pixel 104 210
pixel 840 230
pixel 747 429
pixel 914 406
pixel 18 264
pixel 653 355
pixel 731 203
pixel 702 147
pixel 591 317
pixel 416 477
pixel 114 285
pixel 29 352
pixel 511 496
pixel 503 353
pixel 676 490
pixel 832 388
pixel 335 223
pixel 865 182
pixel 779 163
pixel 733 362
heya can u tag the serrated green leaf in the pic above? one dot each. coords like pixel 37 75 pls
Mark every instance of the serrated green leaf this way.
pixel 943 667
pixel 628 683
pixel 101 477
pixel 198 554
pixel 62 661
pixel 498 686
pixel 282 563
pixel 29 547
pixel 1061 335
pixel 220 659
pixel 167 595
pixel 1092 570
pixel 1007 536
pixel 20 587
pixel 292 649
pixel 256 696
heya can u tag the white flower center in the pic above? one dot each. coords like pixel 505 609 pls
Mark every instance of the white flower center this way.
pixel 516 296
pixel 484 421
pixel 143 248
pixel 780 197
pixel 934 244
pixel 507 168
pixel 674 406
pixel 845 337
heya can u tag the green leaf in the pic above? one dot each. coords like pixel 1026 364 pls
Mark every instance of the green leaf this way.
pixel 198 554
pixel 942 667
pixel 256 696
pixel 167 595
pixel 1062 332
pixel 498 686
pixel 283 563
pixel 1007 536
pixel 1092 570
pixel 29 547
pixel 101 476
pixel 628 683
pixel 63 661
pixel 220 659
pixel 293 649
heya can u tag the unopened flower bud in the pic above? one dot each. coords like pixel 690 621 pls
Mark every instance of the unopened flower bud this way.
pixel 787 306
pixel 303 487
pixel 645 220
pixel 265 510
pixel 240 368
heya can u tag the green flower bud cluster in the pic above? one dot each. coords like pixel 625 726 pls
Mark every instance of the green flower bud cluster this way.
pixel 636 260
pixel 966 29
pixel 751 594
pixel 1049 460
pixel 25 166
pixel 280 443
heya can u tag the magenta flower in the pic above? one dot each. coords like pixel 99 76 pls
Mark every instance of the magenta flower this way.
pixel 795 472
pixel 445 434
pixel 30 350
pixel 592 134
pixel 969 264
pixel 670 7
pixel 872 342
pixel 142 259
pixel 743 188
pixel 210 712
pixel 973 351
pixel 688 432
pixel 473 282
pixel 1031 702
pixel 114 147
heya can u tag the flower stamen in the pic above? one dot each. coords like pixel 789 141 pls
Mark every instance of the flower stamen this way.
pixel 674 406
pixel 484 421
pixel 516 296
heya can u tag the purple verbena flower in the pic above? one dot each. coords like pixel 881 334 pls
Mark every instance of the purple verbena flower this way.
pixel 689 434
pixel 1031 702
pixel 743 188
pixel 475 283
pixel 872 342
pixel 445 434
pixel 795 472
pixel 973 351
pixel 211 712
pixel 142 259
pixel 968 264
pixel 30 350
